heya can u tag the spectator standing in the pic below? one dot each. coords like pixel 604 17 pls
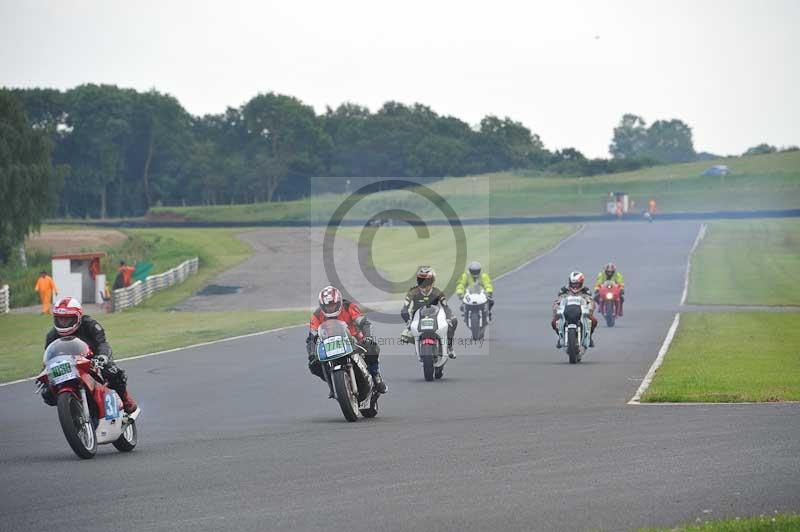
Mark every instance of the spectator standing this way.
pixel 47 289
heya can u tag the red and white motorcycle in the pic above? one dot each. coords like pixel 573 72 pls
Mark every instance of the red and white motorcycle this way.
pixel 90 412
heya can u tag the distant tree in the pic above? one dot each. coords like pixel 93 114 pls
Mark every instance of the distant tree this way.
pixel 630 137
pixel 28 183
pixel 789 148
pixel 285 138
pixel 760 149
pixel 161 139
pixel 669 141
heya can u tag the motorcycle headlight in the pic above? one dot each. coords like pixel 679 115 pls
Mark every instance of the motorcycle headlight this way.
pixel 609 296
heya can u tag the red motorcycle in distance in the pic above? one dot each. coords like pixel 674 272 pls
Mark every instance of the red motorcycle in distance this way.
pixel 90 412
pixel 608 295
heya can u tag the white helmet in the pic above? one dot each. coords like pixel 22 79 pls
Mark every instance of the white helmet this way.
pixel 330 301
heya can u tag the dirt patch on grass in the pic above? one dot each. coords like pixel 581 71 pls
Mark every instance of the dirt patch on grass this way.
pixel 75 240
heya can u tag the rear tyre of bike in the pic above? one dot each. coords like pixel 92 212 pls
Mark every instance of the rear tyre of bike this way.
pixel 426 354
pixel 610 317
pixel 573 349
pixel 344 394
pixel 78 430
pixel 127 440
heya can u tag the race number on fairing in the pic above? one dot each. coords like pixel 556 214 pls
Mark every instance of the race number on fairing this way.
pixel 336 345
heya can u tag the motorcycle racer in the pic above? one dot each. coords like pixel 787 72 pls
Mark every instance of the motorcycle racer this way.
pixel 474 272
pixel 575 287
pixel 333 307
pixel 610 273
pixel 426 295
pixel 69 320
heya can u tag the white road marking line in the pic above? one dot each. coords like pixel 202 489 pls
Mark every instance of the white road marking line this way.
pixel 202 344
pixel 657 362
pixel 700 234
pixel 543 255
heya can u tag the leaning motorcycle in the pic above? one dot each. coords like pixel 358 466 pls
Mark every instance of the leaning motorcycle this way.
pixel 609 294
pixel 345 370
pixel 476 310
pixel 574 329
pixel 428 326
pixel 90 412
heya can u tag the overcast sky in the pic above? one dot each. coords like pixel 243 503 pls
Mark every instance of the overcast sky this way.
pixel 567 70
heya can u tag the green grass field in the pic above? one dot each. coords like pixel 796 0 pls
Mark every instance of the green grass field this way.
pixel 731 357
pixel 763 523
pixel 756 182
pixel 133 332
pixel 747 262
pixel 498 248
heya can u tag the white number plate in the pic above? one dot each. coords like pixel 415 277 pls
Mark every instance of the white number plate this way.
pixel 574 300
pixel 61 372
pixel 336 345
pixel 427 324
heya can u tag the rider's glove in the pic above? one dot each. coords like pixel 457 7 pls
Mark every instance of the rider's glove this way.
pixel 100 360
pixel 369 340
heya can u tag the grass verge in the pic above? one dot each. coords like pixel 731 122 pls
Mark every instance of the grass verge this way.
pixel 132 333
pixel 731 357
pixel 498 248
pixel 747 262
pixel 764 523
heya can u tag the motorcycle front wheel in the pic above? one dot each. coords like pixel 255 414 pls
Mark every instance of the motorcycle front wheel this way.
pixel 345 395
pixel 78 430
pixel 426 355
pixel 610 316
pixel 573 349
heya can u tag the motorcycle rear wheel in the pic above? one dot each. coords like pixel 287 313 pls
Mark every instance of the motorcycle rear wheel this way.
pixel 78 430
pixel 344 394
pixel 573 350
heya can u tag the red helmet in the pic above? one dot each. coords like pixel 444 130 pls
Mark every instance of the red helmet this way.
pixel 330 301
pixel 426 276
pixel 67 314
pixel 575 281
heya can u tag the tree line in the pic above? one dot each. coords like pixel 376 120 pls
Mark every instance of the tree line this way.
pixel 120 151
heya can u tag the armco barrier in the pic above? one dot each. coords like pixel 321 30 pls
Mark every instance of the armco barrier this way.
pixel 140 290
pixel 5 298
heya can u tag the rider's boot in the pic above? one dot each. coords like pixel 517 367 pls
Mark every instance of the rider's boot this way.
pixel 591 341
pixel 128 403
pixel 559 345
pixel 620 308
pixel 450 352
pixel 377 378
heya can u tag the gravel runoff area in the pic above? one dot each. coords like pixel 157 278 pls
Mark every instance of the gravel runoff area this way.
pixel 284 273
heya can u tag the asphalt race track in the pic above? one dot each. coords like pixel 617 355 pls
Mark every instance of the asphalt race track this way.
pixel 239 436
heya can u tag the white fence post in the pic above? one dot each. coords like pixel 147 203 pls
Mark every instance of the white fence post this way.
pixel 5 298
pixel 140 290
